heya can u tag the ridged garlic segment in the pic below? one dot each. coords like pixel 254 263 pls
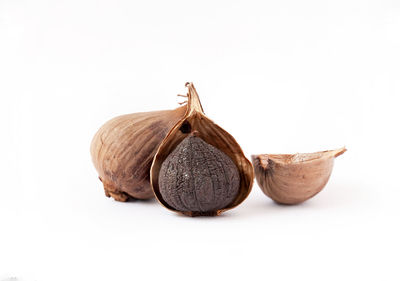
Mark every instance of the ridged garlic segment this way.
pixel 123 149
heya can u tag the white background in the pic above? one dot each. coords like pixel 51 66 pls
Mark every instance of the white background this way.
pixel 280 76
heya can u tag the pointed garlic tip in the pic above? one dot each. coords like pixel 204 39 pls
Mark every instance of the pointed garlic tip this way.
pixel 294 178
pixel 194 103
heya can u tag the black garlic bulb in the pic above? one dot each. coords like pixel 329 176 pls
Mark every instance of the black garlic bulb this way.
pixel 198 177
pixel 199 169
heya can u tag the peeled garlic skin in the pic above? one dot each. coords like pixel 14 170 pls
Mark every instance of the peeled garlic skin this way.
pixel 197 177
pixel 292 179
pixel 123 148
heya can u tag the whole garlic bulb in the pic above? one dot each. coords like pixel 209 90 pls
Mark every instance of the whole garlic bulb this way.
pixel 123 149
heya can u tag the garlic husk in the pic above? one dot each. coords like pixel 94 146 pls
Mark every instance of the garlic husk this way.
pixel 211 133
pixel 294 178
pixel 123 148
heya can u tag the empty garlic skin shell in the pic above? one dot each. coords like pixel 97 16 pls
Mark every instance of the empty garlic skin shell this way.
pixel 123 148
pixel 294 178
pixel 195 120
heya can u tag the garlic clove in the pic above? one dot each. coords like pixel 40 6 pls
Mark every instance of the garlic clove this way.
pixel 123 148
pixel 189 196
pixel 294 178
pixel 198 177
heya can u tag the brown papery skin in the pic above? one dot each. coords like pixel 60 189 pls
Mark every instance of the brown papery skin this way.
pixel 293 178
pixel 123 149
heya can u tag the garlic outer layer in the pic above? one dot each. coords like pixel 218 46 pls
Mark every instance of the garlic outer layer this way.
pixel 294 178
pixel 123 148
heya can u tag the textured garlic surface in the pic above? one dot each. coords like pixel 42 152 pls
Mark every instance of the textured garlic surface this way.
pixel 197 176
